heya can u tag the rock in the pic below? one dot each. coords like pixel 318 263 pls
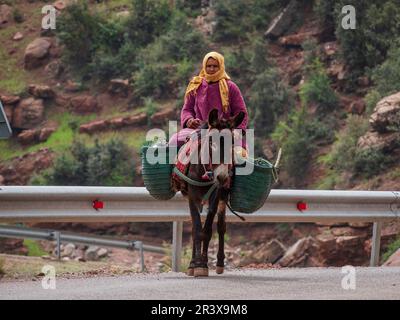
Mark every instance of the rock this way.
pixel 94 126
pixel 18 36
pixel 117 123
pixel 41 91
pixel 119 87
pixel 386 115
pixel 282 22
pixel 162 117
pixel 294 40
pixel 358 107
pixel 54 69
pixel 72 86
pixel 380 141
pixel 9 99
pixel 102 253
pixel 27 136
pixel 9 110
pixel 270 252
pixel 62 100
pixel 13 246
pixel 140 119
pixel 45 133
pixel 206 22
pixel 5 14
pixel 394 260
pixel 360 225
pixel 68 250
pixel 36 53
pixel 296 255
pixel 60 5
pixel 28 114
pixel 91 253
pixel 84 104
pixel 330 48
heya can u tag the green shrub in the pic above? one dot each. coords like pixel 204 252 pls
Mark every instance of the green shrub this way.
pixel 317 89
pixel 369 162
pixel 344 149
pixel 268 100
pixel 82 33
pixel 109 164
pixel 376 28
pixel 297 145
pixel 148 20
pixel 18 16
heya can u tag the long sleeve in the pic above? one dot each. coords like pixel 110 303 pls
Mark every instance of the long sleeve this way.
pixel 188 110
pixel 237 104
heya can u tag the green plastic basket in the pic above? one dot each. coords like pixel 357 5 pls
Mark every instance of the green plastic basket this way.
pixel 249 192
pixel 157 177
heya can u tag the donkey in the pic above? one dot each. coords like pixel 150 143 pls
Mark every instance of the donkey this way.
pixel 216 191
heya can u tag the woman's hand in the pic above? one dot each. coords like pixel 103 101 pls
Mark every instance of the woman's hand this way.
pixel 193 123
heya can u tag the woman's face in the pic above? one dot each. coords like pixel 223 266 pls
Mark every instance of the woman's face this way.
pixel 212 66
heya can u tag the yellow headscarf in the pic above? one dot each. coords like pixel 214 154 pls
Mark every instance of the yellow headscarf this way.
pixel 219 76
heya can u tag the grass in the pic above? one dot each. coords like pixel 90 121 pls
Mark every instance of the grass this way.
pixel 34 249
pixel 392 248
pixel 22 267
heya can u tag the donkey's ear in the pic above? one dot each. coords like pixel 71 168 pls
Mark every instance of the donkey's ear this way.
pixel 238 119
pixel 213 118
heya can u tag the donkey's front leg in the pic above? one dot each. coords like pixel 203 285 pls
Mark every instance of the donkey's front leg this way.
pixel 199 268
pixel 207 229
pixel 221 225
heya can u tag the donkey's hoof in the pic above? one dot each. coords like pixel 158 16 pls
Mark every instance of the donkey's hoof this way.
pixel 190 272
pixel 220 270
pixel 201 272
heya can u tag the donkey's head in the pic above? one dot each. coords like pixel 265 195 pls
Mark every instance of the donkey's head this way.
pixel 221 142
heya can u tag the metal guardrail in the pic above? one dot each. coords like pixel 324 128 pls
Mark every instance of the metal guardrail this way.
pixel 132 204
pixel 7 231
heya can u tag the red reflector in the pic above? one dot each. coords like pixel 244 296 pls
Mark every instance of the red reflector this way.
pixel 98 204
pixel 301 206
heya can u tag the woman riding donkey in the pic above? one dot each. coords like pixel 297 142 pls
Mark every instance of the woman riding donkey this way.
pixel 213 102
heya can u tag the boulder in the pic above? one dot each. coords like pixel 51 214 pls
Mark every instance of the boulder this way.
pixel 18 36
pixel 140 119
pixel 68 250
pixel 62 4
pixel 93 126
pixel 9 110
pixel 41 91
pixel 386 115
pixel 162 117
pixel 270 252
pixel 91 253
pixel 36 53
pixel 27 136
pixel 72 86
pixel 9 99
pixel 54 69
pixel 297 255
pixel 84 104
pixel 382 141
pixel 45 133
pixel 119 87
pixel 5 14
pixel 102 252
pixel 28 114
pixel 295 40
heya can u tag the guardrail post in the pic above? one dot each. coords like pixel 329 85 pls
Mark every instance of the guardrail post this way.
pixel 376 243
pixel 177 230
pixel 57 236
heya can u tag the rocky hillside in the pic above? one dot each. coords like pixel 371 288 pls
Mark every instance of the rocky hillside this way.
pixel 94 79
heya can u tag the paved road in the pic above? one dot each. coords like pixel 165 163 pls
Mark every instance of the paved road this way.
pixel 309 283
